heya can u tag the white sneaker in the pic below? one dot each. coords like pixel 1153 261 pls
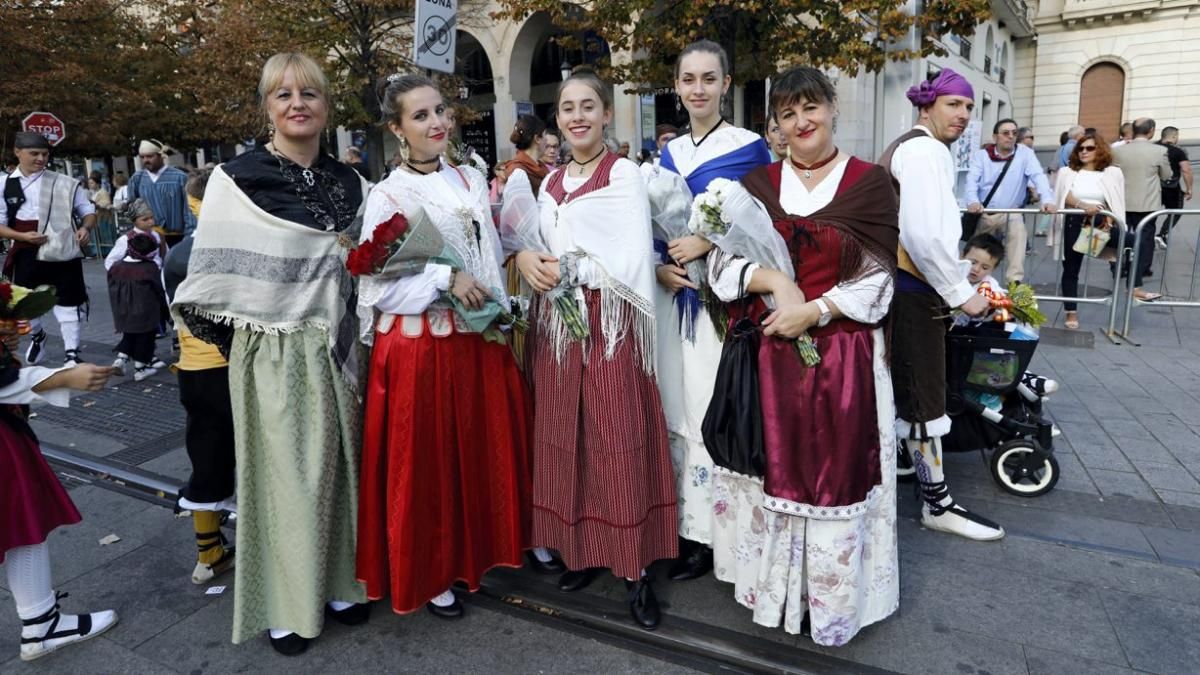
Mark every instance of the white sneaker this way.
pixel 143 371
pixel 158 363
pixel 40 638
pixel 121 364
pixel 1160 242
pixel 202 574
pixel 37 348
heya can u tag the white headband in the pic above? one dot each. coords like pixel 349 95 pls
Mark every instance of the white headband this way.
pixel 151 147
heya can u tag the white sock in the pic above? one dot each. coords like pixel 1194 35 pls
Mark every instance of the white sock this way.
pixel 68 323
pixel 542 554
pixel 277 633
pixel 339 605
pixel 30 583
pixel 445 599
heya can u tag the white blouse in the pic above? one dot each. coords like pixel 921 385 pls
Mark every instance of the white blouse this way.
pixel 1087 187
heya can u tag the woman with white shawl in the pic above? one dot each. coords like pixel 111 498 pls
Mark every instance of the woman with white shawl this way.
pixel 603 490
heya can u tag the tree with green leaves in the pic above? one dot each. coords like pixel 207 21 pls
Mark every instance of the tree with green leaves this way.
pixel 761 36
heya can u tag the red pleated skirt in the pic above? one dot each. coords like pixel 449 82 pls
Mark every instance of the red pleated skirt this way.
pixel 32 500
pixel 603 486
pixel 444 489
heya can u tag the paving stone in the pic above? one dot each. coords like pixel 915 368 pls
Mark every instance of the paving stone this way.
pixel 1121 483
pixel 1175 547
pixel 10 631
pixel 1179 498
pixel 1144 448
pixel 1159 636
pixel 1009 604
pixel 150 588
pixel 1184 517
pixel 98 655
pixel 1168 476
pixel 1102 456
pixel 1094 533
pixel 909 645
pixel 1045 662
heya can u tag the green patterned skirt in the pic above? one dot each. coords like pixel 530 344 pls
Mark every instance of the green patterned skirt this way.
pixel 297 426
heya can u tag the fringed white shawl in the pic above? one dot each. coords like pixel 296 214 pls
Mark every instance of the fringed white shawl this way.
pixel 611 227
pixel 254 271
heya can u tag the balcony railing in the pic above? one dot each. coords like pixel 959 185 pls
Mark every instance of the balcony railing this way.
pixel 1003 75
pixel 964 48
pixel 987 66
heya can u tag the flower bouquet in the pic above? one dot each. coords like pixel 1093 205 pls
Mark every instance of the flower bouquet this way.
pixel 732 220
pixel 520 230
pixel 403 246
pixel 18 305
pixel 670 208
pixel 1018 304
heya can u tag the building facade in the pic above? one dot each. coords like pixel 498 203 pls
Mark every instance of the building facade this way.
pixel 1102 62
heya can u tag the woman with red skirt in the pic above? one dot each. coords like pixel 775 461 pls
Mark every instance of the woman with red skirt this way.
pixel 444 494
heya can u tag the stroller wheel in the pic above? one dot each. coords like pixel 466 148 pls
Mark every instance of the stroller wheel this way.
pixel 1021 468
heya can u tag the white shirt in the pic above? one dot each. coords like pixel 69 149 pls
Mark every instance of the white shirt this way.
pixel 21 391
pixel 32 186
pixel 930 222
pixel 1087 187
pixel 154 176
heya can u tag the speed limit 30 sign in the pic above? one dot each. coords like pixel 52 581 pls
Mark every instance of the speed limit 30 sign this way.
pixel 46 124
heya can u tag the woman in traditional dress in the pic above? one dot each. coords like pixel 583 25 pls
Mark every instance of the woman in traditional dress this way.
pixel 818 533
pixel 33 502
pixel 267 283
pixel 445 473
pixel 603 493
pixel 713 148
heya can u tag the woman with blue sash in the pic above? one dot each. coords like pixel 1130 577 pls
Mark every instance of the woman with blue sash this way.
pixel 688 337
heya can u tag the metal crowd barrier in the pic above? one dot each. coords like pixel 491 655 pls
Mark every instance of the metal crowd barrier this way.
pixel 1112 300
pixel 1131 302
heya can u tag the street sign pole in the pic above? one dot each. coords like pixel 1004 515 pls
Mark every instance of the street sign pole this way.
pixel 435 35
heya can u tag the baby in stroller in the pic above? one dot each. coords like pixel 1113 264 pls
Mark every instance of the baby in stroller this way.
pixel 985 253
pixel 994 402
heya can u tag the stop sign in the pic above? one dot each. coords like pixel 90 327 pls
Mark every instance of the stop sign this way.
pixel 47 125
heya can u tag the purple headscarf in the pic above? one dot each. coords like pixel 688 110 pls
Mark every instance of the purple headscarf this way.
pixel 947 83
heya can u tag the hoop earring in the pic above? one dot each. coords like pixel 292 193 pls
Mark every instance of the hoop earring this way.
pixel 404 149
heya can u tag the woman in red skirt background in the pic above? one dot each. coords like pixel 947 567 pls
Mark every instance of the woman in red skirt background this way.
pixel 603 487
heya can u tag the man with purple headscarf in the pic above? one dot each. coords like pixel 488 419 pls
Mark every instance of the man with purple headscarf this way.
pixel 929 281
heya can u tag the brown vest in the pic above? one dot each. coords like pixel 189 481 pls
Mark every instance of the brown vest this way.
pixel 903 261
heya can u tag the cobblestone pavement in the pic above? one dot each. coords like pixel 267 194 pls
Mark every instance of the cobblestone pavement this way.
pixel 1101 575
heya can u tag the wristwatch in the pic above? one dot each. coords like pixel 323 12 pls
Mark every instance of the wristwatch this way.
pixel 826 315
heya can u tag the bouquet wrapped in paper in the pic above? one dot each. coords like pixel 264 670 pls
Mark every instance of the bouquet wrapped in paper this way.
pixel 728 216
pixel 670 212
pixel 404 245
pixel 520 230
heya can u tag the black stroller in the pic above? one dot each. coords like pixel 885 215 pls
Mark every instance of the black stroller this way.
pixel 984 361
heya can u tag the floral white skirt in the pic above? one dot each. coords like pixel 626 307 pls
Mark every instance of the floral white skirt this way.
pixel 844 573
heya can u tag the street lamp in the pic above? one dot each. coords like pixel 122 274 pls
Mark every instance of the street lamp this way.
pixel 565 69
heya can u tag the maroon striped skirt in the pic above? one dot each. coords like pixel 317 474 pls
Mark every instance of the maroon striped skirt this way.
pixel 32 500
pixel 603 487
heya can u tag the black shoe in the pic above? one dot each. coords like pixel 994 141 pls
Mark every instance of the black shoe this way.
pixel 452 611
pixel 577 580
pixel 290 644
pixel 353 615
pixel 554 566
pixel 695 563
pixel 643 604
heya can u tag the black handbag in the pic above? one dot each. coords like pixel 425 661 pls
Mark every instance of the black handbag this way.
pixel 732 427
pixel 970 221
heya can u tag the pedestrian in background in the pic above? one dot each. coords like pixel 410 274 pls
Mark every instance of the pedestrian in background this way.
pixel 1145 166
pixel 138 302
pixel 998 178
pixel 163 187
pixel 1177 189
pixel 1090 182
pixel 1124 136
pixel 551 148
pixel 354 159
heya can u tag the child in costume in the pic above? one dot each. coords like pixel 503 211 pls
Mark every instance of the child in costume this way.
pixel 138 305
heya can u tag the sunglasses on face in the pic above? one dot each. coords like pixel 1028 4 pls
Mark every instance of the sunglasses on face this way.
pixel 1087 148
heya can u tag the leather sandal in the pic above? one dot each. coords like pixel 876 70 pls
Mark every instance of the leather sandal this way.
pixel 1072 321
